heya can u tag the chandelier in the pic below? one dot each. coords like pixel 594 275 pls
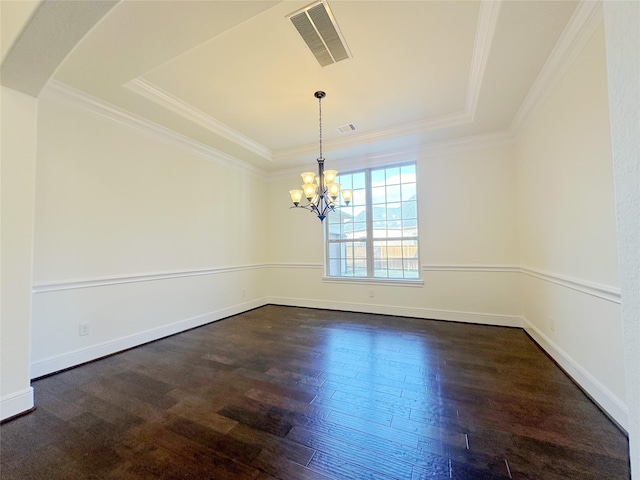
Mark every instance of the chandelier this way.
pixel 321 191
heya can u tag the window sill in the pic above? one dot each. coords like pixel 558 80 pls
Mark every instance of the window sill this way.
pixel 376 281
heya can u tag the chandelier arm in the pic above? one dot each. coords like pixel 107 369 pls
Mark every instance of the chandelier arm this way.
pixel 308 207
pixel 327 206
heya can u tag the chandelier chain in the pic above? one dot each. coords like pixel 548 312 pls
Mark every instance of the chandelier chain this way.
pixel 320 122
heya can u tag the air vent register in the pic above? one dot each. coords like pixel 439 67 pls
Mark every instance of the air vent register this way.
pixel 319 30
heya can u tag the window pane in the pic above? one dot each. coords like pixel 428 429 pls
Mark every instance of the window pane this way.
pixel 358 181
pixel 393 176
pixel 394 214
pixel 380 229
pixel 359 214
pixel 345 181
pixel 346 266
pixel 379 213
pixel 410 261
pixel 334 231
pixel 408 173
pixel 359 230
pixel 393 193
pixel 409 210
pixel 394 259
pixel 377 178
pixel 408 191
pixel 380 263
pixel 378 195
pixel 360 259
pixel 410 228
pixel 337 252
pixel 359 198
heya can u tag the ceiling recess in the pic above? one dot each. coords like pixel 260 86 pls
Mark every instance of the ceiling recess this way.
pixel 318 28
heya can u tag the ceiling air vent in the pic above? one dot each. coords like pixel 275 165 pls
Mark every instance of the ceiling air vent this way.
pixel 348 128
pixel 320 32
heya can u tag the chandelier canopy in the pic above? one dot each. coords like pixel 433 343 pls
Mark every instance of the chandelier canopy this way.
pixel 321 191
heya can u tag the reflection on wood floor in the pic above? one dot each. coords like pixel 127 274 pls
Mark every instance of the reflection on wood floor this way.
pixel 294 393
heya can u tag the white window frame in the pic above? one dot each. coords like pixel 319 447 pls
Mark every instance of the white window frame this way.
pixel 369 241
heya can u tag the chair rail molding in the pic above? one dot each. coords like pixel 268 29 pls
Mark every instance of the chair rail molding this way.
pixel 139 277
pixel 605 292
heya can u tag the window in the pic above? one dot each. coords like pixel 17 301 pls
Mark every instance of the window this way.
pixel 376 236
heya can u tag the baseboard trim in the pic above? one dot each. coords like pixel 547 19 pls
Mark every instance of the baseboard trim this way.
pixel 94 352
pixel 601 395
pixel 16 403
pixel 398 311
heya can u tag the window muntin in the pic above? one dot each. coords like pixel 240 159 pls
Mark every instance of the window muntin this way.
pixel 376 236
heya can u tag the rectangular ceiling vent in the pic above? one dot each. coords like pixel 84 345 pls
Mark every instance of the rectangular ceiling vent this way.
pixel 348 128
pixel 320 32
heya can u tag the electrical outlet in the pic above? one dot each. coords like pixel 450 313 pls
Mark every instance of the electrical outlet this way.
pixel 552 324
pixel 83 329
pixel 371 293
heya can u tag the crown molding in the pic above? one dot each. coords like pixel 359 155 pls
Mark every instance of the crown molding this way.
pixel 464 144
pixel 582 25
pixel 436 149
pixel 487 21
pixel 61 92
pixel 154 93
pixel 413 128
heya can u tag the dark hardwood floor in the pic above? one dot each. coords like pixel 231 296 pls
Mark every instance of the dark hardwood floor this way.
pixel 294 393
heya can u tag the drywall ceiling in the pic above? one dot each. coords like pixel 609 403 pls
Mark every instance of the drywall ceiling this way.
pixel 237 77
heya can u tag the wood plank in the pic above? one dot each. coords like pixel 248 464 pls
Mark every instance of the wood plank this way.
pixel 301 394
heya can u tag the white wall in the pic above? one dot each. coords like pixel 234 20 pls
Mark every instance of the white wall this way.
pixel 18 153
pixel 135 236
pixel 623 44
pixel 468 247
pixel 567 230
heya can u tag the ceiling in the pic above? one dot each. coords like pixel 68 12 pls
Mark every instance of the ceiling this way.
pixel 237 77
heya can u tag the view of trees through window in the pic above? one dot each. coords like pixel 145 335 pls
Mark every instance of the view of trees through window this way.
pixel 376 236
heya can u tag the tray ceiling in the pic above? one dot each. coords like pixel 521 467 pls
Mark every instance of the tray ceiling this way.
pixel 237 76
